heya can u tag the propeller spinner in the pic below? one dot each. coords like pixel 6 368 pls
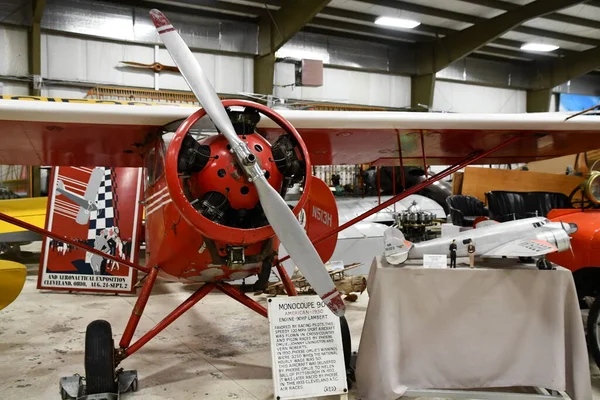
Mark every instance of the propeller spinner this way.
pixel 280 217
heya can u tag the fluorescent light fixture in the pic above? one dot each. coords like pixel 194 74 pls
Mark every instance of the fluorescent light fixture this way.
pixel 538 47
pixel 397 22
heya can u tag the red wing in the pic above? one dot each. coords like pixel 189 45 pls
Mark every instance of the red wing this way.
pixel 108 133
pixel 356 137
pixel 37 131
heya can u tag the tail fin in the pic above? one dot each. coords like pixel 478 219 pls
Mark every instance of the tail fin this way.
pixel 396 247
pixel 60 185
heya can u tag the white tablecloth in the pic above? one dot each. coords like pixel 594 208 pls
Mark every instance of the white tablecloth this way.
pixel 466 329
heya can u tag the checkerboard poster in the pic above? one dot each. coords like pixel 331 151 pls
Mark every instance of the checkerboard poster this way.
pixel 100 207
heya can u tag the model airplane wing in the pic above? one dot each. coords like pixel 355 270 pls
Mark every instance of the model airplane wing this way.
pixel 96 178
pixel 522 248
pixel 75 132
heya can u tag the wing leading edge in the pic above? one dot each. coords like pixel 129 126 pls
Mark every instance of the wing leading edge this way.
pixel 71 132
pixel 523 248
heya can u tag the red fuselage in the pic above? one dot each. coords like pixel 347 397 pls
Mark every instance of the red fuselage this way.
pixel 181 251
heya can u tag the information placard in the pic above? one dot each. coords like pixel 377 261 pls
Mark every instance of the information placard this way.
pixel 306 348
pixel 435 261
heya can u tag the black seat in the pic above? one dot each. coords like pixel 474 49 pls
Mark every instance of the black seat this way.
pixel 464 210
pixel 543 202
pixel 507 206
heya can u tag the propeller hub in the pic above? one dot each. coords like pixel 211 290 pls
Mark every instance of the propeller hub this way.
pixel 223 175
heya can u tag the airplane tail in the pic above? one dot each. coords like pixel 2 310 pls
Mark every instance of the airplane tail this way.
pixel 396 247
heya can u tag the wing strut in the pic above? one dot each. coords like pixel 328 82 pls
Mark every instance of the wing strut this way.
pixel 448 171
pixel 46 233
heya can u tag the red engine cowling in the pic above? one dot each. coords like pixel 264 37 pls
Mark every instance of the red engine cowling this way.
pixel 214 197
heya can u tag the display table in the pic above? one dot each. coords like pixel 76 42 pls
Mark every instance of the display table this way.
pixel 471 328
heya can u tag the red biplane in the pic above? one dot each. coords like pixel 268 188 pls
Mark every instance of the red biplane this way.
pixel 215 209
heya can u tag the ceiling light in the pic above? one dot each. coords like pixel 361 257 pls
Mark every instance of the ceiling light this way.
pixel 538 47
pixel 397 22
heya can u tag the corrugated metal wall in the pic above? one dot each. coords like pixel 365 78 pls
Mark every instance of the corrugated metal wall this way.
pixel 459 97
pixel 14 59
pixel 83 42
pixel 98 62
pixel 346 86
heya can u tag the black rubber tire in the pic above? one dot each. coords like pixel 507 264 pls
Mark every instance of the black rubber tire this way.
pixel 99 358
pixel 346 341
pixel 347 348
pixel 543 264
pixel 592 330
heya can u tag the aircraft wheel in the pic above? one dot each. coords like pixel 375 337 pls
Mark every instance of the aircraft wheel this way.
pixel 99 358
pixel 543 264
pixel 134 385
pixel 347 347
pixel 593 330
pixel 64 395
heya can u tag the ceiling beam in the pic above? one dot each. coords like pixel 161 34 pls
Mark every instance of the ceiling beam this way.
pixel 473 19
pixel 202 8
pixel 275 29
pixel 507 6
pixel 35 67
pixel 434 57
pixel 427 31
pixel 35 45
pixel 458 45
pixel 564 69
pixel 550 75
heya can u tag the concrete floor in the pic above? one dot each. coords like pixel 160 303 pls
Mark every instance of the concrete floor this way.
pixel 217 350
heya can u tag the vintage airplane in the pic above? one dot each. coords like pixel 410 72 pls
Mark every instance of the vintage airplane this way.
pixel 87 203
pixel 215 209
pixel 529 237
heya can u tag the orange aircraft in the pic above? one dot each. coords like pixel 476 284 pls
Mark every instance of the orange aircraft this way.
pixel 214 201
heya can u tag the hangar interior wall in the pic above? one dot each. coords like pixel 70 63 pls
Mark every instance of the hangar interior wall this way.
pixel 355 72
pixel 346 86
pixel 460 97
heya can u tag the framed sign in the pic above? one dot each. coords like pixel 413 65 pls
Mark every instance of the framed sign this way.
pixel 435 261
pixel 306 348
pixel 99 207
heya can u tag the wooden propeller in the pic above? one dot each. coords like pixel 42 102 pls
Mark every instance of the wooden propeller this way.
pixel 156 67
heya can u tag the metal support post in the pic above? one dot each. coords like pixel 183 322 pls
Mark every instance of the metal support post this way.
pixel 242 298
pixel 176 313
pixel 138 309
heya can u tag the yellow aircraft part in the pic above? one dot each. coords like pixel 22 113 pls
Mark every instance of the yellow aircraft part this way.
pixel 31 210
pixel 12 279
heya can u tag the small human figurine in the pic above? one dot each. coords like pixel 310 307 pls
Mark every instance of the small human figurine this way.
pixel 471 251
pixel 453 254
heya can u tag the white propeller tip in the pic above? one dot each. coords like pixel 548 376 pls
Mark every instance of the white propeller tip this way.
pixel 161 22
pixel 335 303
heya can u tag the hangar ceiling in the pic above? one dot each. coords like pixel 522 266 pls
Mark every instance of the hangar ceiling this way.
pixel 448 30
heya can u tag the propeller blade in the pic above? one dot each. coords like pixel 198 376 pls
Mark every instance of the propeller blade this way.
pixel 194 76
pixel 298 245
pixel 282 220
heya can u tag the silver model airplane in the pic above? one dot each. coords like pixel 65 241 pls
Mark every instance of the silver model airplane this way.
pixel 529 237
pixel 87 203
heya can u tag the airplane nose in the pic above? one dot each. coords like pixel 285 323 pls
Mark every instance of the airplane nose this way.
pixel 570 227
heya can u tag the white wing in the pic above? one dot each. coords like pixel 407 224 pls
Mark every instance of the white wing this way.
pixel 523 248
